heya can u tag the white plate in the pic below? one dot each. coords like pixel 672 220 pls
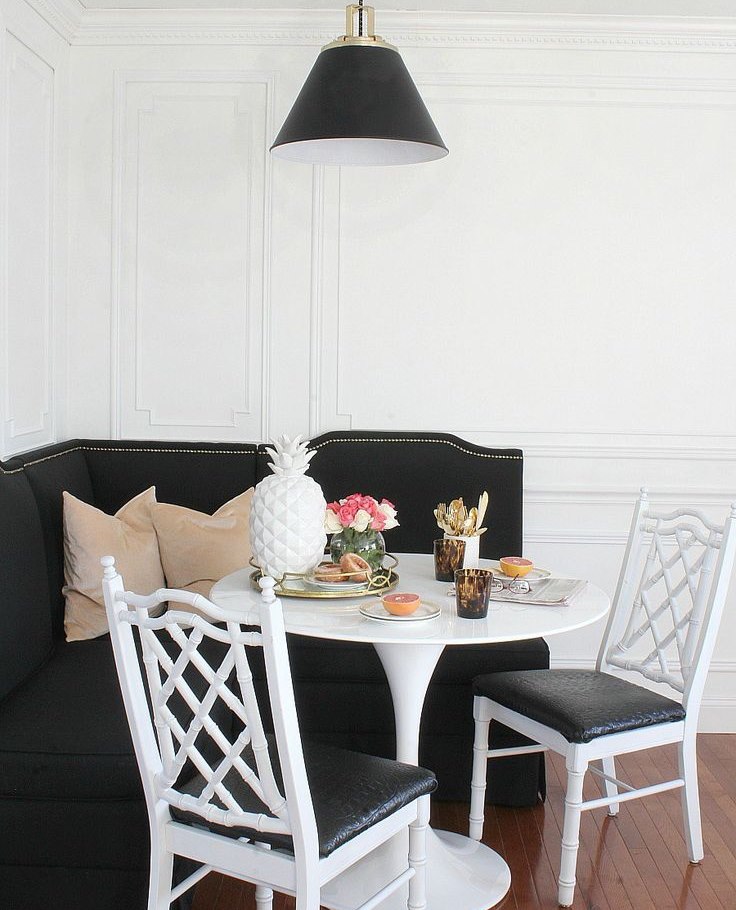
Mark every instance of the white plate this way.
pixel 534 575
pixel 336 585
pixel 376 610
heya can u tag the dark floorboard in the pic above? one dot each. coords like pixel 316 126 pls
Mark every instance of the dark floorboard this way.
pixel 636 861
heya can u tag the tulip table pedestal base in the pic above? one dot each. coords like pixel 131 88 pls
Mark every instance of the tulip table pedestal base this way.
pixel 462 874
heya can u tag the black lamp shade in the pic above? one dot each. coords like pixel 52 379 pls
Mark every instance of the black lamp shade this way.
pixel 359 106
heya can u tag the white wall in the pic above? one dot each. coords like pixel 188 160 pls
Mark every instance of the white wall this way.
pixel 563 281
pixel 33 120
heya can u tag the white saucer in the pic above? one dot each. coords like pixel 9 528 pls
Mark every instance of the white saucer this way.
pixel 376 610
pixel 534 575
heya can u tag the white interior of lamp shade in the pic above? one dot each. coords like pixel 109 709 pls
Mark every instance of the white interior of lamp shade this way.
pixel 359 152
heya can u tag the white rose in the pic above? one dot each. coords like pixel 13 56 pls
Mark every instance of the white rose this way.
pixel 362 520
pixel 332 522
pixel 390 514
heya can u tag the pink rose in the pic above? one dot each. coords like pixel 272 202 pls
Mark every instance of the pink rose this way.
pixel 347 513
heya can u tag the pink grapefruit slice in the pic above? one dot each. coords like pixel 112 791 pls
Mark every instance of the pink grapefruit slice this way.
pixel 516 566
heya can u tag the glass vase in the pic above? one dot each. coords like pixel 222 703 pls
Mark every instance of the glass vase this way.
pixel 368 544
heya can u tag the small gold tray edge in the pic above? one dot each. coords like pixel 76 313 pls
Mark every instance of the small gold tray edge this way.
pixel 281 591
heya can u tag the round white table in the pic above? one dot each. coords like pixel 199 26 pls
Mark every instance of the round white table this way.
pixel 463 874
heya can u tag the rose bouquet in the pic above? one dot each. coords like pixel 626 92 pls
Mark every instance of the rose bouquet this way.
pixel 360 513
pixel 356 523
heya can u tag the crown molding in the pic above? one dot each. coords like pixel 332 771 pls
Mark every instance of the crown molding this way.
pixel 64 16
pixel 83 26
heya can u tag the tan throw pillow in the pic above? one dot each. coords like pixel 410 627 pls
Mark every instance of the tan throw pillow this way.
pixel 89 534
pixel 199 549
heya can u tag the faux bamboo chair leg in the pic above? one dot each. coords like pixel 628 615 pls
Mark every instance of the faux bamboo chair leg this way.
pixel 609 768
pixel 264 894
pixel 418 856
pixel 688 763
pixel 576 768
pixel 482 718
pixel 264 898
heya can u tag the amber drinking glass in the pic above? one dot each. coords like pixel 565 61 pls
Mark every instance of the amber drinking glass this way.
pixel 448 558
pixel 472 592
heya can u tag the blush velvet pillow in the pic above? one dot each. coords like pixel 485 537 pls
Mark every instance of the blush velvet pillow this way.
pixel 199 549
pixel 89 534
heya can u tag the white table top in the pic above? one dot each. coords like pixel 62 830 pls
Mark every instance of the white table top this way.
pixel 340 619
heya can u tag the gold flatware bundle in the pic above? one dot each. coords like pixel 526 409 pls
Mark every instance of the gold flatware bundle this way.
pixel 457 520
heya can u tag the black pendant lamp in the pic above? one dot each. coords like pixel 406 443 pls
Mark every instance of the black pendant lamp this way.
pixel 359 105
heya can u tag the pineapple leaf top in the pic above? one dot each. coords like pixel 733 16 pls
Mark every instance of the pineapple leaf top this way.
pixel 289 456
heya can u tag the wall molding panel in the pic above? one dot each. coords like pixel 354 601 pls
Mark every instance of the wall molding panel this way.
pixel 178 285
pixel 672 94
pixel 28 215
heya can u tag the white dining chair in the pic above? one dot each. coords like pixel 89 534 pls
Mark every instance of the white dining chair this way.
pixel 263 808
pixel 662 629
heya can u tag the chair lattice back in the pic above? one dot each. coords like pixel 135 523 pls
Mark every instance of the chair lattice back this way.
pixel 179 744
pixel 665 599
pixel 186 686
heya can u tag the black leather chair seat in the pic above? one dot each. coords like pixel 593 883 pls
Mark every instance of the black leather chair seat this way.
pixel 580 704
pixel 350 792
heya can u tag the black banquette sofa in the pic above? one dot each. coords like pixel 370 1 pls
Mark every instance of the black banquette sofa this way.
pixel 73 825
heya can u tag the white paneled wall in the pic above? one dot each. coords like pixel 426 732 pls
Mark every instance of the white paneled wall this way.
pixel 563 281
pixel 189 228
pixel 32 228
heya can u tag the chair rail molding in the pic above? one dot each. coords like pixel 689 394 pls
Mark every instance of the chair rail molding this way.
pixel 695 34
pixel 571 495
pixel 243 404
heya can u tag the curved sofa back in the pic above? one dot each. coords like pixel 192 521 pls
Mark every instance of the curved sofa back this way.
pixel 416 471
pixel 413 470
pixel 107 473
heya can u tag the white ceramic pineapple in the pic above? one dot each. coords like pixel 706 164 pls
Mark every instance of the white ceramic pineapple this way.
pixel 287 515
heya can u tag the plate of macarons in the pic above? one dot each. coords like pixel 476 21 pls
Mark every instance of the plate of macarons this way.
pixel 400 607
pixel 352 573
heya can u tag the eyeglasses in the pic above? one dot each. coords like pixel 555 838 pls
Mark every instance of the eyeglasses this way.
pixel 515 586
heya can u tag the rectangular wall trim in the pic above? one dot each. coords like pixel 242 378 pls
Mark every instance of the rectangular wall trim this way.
pixel 191 259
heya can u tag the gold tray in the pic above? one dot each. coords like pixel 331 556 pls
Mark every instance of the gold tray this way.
pixel 298 586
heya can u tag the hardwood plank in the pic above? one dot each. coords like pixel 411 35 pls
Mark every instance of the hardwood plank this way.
pixel 636 861
pixel 664 810
pixel 597 880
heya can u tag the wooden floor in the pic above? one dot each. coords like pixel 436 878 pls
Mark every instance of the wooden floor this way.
pixel 634 862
